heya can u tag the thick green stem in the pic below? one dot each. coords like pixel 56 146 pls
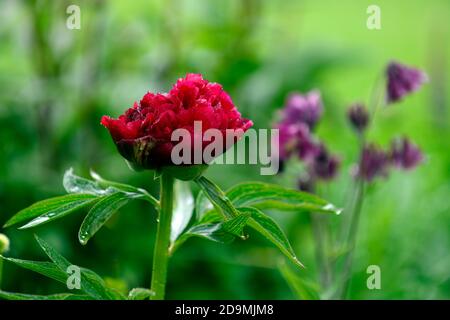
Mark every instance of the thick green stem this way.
pixel 161 251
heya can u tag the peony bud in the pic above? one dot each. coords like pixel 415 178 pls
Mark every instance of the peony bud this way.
pixel 143 134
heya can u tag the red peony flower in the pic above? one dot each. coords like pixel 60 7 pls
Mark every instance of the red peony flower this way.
pixel 143 133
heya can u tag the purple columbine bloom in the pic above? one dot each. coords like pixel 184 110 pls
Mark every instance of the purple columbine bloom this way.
pixel 303 108
pixel 307 148
pixel 287 142
pixel 374 162
pixel 405 154
pixel 402 80
pixel 324 165
pixel 358 116
pixel 295 138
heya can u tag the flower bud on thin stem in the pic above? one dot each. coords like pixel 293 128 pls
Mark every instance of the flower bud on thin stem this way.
pixel 358 116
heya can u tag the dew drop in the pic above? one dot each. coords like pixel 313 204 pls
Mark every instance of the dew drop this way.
pixel 83 239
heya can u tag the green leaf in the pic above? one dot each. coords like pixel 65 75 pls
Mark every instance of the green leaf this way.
pixel 58 272
pixel 270 196
pixel 211 231
pixel 101 187
pixel 236 225
pixel 217 197
pixel 124 187
pixel 211 216
pixel 223 232
pixel 267 227
pixel 182 210
pixel 101 212
pixel 58 296
pixel 75 184
pixel 47 269
pixel 202 205
pixel 50 209
pixel 140 294
pixel 90 282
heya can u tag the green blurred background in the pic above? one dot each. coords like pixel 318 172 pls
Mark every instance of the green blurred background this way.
pixel 56 83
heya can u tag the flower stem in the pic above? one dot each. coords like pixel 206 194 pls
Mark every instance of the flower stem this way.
pixel 351 241
pixel 161 251
pixel 353 225
pixel 320 238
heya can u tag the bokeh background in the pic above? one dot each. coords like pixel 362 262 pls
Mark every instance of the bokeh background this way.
pixel 56 83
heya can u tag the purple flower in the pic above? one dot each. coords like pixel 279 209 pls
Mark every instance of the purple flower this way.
pixel 299 116
pixel 287 142
pixel 405 154
pixel 374 162
pixel 358 117
pixel 295 138
pixel 306 146
pixel 303 108
pixel 325 165
pixel 402 80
